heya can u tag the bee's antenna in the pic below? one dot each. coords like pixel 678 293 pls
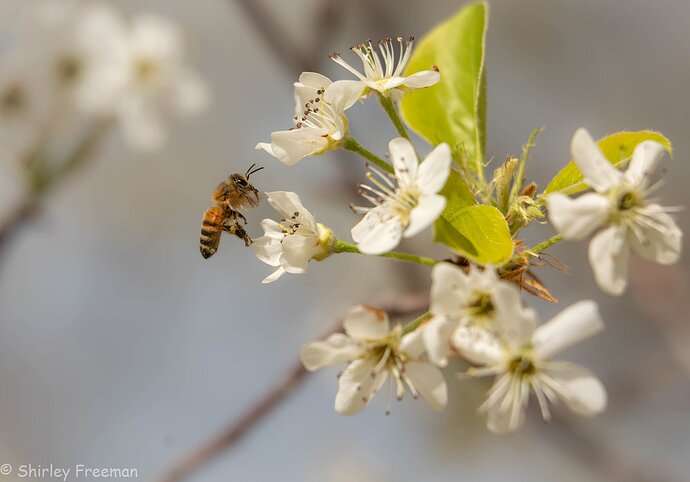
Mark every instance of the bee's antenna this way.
pixel 246 174
pixel 250 172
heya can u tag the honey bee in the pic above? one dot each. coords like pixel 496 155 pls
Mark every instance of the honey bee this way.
pixel 230 196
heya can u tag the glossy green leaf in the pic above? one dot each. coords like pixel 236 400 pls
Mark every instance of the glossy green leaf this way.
pixel 454 110
pixel 617 148
pixel 477 232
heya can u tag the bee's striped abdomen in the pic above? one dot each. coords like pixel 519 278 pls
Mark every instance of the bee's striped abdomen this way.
pixel 211 229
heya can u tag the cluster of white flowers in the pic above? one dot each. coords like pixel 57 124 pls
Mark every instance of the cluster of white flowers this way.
pixel 475 312
pixel 92 59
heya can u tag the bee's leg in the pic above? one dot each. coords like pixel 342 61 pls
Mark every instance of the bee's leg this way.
pixel 242 234
pixel 241 216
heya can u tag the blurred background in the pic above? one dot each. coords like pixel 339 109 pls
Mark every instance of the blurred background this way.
pixel 122 347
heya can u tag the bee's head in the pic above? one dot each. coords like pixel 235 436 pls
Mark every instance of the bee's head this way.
pixel 245 190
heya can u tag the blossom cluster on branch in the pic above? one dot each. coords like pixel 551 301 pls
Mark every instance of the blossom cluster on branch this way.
pixel 476 308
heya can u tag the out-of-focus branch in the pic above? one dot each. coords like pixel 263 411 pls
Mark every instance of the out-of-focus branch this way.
pixel 227 438
pixel 293 58
pixel 49 177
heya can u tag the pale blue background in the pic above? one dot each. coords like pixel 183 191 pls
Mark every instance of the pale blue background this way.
pixel 120 346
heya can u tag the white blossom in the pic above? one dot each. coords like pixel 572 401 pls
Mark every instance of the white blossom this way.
pixel 319 125
pixel 521 359
pixel 383 74
pixel 289 244
pixel 137 72
pixel 375 353
pixel 622 205
pixel 406 203
pixel 463 304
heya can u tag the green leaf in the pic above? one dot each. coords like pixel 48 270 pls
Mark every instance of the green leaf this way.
pixel 478 232
pixel 617 148
pixel 458 195
pixel 454 110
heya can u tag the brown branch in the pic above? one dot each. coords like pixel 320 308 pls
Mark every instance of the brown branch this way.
pixel 286 51
pixel 29 208
pixel 20 215
pixel 197 458
pixel 228 437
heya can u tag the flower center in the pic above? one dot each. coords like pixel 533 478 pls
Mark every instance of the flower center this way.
pixel 290 226
pixel 382 65
pixel 13 99
pixel 145 71
pixel 627 201
pixel 68 69
pixel 317 114
pixel 481 305
pixel 521 366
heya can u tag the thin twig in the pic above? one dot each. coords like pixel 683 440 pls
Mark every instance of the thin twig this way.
pixel 228 437
pixel 27 209
pixel 292 57
pixel 20 215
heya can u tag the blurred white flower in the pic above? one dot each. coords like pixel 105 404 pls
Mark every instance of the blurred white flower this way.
pixel 375 353
pixel 463 305
pixel 382 74
pixel 319 125
pixel 137 72
pixel 622 204
pixel 292 242
pixel 406 203
pixel 521 360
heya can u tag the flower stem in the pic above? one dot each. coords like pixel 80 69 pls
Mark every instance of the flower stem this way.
pixel 414 324
pixel 389 107
pixel 544 245
pixel 351 144
pixel 343 247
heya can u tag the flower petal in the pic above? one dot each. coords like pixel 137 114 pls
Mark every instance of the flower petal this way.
pixel 434 170
pixel 661 242
pixel 297 252
pixel 189 93
pixel 404 160
pixel 436 334
pixel 342 94
pixel 289 205
pixel 365 322
pixel 576 218
pixel 645 158
pixel 337 349
pixel 448 284
pixel 268 250
pixel 598 171
pixel 357 386
pixel 274 276
pixel 572 325
pixel 425 78
pixel 579 388
pixel 289 147
pixel 429 382
pixel 515 323
pixel 429 208
pixel 608 255
pixel 142 125
pixel 509 418
pixel 306 89
pixel 377 233
pixel 477 345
